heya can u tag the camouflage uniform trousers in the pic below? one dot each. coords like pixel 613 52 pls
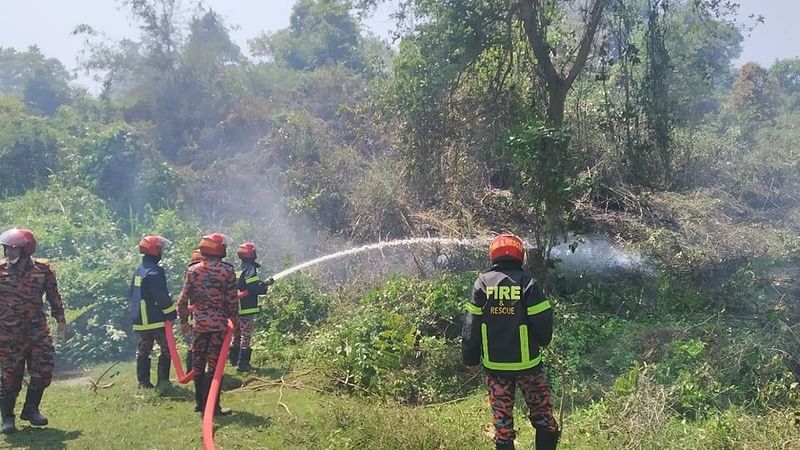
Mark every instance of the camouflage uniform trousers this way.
pixel 35 351
pixel 146 341
pixel 243 331
pixel 537 394
pixel 206 349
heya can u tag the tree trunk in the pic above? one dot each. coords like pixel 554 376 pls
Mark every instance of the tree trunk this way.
pixel 557 98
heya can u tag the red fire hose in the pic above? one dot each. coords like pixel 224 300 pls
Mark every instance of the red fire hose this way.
pixel 183 378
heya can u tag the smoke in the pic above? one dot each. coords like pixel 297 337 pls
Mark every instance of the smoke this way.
pixel 597 256
pixel 247 202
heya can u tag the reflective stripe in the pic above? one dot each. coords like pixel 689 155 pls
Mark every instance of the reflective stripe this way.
pixel 474 310
pixel 251 280
pixel 137 280
pixel 143 310
pixel 539 307
pixel 248 311
pixel 485 339
pixel 526 362
pixel 169 309
pixel 146 325
pixel 151 326
pixel 525 350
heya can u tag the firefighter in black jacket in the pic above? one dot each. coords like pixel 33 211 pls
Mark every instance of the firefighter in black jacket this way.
pixel 151 305
pixel 506 323
pixel 250 287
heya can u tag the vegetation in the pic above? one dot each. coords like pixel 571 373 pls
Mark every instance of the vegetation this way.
pixel 560 121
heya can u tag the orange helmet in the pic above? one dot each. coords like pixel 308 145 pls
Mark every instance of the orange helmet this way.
pixel 246 251
pixel 153 245
pixel 507 247
pixel 196 255
pixel 214 244
pixel 19 237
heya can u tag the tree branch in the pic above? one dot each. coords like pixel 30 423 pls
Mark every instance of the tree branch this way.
pixel 586 41
pixel 530 14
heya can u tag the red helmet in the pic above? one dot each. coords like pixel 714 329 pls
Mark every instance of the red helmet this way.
pixel 19 237
pixel 214 244
pixel 246 251
pixel 196 255
pixel 507 247
pixel 153 245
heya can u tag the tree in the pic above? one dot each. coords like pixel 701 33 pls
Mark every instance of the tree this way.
pixel 43 83
pixel 536 17
pixel 28 148
pixel 178 83
pixel 701 50
pixel 321 32
pixel 786 73
pixel 479 81
pixel 753 99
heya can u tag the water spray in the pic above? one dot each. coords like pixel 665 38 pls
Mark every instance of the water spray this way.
pixel 379 246
pixel 591 255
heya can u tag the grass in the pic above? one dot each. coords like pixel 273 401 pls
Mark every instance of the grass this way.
pixel 124 417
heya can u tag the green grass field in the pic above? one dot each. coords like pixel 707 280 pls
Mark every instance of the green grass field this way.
pixel 122 416
pixel 296 415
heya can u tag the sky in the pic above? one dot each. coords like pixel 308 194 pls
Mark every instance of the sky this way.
pixel 49 23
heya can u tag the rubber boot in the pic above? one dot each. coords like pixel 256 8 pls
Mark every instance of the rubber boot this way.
pixel 199 393
pixel 162 371
pixel 504 445
pixel 7 411
pixel 244 360
pixel 233 355
pixel 30 410
pixel 218 410
pixel 143 373
pixel 546 440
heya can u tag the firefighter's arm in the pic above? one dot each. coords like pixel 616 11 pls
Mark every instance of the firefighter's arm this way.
pixel 471 332
pixel 254 285
pixel 156 285
pixel 249 281
pixel 540 314
pixel 54 297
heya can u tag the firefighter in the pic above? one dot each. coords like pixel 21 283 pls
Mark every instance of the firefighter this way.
pixel 250 287
pixel 211 286
pixel 151 305
pixel 507 321
pixel 24 335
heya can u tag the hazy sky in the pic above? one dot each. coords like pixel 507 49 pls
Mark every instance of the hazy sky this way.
pixel 48 24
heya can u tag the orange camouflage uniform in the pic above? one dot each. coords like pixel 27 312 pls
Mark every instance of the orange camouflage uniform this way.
pixel 211 286
pixel 24 334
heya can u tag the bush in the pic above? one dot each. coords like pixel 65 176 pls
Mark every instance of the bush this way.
pixel 400 340
pixel 290 311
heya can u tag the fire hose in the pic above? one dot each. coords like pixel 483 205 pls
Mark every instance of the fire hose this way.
pixel 183 378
